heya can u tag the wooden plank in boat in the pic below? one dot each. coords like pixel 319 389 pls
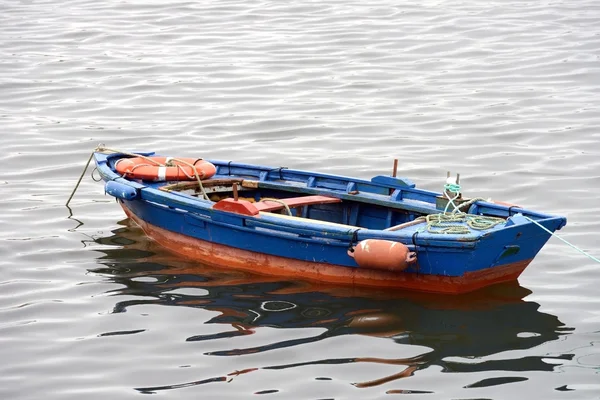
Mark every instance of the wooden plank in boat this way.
pixel 270 205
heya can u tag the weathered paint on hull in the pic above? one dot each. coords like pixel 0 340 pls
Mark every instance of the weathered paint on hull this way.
pixel 221 255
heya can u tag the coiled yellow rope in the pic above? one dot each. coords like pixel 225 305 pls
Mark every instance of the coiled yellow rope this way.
pixel 454 223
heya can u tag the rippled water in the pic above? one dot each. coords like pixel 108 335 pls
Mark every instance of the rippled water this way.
pixel 506 93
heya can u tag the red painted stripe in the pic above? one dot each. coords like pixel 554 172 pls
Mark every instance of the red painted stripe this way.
pixel 231 257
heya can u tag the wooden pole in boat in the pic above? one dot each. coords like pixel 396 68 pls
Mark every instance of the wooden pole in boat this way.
pixel 235 191
pixel 394 172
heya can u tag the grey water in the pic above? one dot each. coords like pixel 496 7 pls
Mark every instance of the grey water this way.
pixel 506 93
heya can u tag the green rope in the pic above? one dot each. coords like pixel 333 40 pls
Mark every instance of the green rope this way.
pixel 591 257
pixel 454 223
pixel 453 188
pixel 457 222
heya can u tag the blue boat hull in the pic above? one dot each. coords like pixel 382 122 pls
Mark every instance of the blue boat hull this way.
pixel 318 249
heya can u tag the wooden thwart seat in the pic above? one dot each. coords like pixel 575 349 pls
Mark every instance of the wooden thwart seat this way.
pixel 245 207
pixel 292 202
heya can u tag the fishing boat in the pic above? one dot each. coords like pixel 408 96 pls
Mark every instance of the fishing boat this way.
pixel 382 232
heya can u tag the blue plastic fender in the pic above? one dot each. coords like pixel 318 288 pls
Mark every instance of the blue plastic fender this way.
pixel 121 191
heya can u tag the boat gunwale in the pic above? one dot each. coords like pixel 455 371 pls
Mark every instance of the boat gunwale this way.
pixel 195 205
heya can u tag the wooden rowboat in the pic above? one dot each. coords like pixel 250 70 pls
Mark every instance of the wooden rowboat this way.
pixel 329 228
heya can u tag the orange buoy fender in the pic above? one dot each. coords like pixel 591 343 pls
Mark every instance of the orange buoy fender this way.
pixel 160 169
pixel 382 255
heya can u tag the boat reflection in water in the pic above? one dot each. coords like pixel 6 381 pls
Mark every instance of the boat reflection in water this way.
pixel 475 325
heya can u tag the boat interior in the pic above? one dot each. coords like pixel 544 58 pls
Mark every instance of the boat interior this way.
pixel 385 203
pixel 370 210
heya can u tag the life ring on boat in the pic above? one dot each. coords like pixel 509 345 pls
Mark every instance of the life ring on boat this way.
pixel 160 169
pixel 383 255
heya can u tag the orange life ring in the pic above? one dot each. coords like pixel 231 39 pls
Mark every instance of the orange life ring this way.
pixel 164 168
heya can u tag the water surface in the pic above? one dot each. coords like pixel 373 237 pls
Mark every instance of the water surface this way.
pixel 505 93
